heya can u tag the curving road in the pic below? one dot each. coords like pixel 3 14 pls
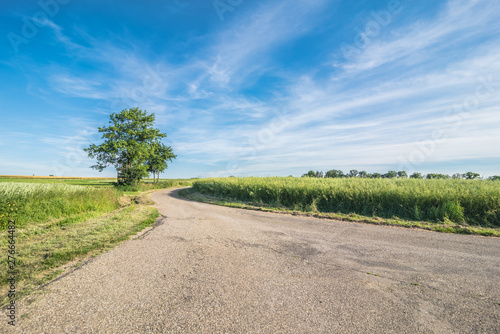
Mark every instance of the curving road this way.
pixel 211 269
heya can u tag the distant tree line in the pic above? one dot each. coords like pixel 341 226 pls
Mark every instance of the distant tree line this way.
pixel 335 173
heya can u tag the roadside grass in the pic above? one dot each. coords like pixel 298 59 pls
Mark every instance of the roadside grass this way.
pixel 445 226
pixel 41 249
pixel 38 202
pixel 464 202
pixel 57 223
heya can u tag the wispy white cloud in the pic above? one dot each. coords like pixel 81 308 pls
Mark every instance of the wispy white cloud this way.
pixel 243 49
pixel 462 20
pixel 366 114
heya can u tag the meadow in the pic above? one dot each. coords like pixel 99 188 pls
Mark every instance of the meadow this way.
pixel 38 202
pixel 60 220
pixel 474 203
pixel 146 184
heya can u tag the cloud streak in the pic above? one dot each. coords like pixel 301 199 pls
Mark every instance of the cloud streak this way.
pixel 222 103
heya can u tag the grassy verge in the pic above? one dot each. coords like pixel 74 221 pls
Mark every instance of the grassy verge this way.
pixel 446 226
pixel 58 223
pixel 41 249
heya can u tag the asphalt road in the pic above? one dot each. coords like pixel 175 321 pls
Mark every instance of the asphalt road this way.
pixel 211 269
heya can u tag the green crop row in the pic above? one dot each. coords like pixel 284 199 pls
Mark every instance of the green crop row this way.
pixel 472 202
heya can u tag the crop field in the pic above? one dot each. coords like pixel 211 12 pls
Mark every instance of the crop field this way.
pixel 65 219
pixel 146 184
pixel 463 202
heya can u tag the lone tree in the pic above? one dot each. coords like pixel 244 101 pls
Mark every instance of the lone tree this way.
pixel 130 142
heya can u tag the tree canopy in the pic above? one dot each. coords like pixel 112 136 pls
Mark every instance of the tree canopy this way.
pixel 132 145
pixel 336 173
pixel 157 161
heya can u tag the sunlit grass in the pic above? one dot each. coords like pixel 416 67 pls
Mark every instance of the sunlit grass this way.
pixel 469 202
pixel 41 249
pixel 59 220
pixel 39 202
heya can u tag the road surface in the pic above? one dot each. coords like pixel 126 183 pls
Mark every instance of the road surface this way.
pixel 212 269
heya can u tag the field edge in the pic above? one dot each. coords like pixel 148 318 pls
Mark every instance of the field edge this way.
pixel 443 227
pixel 145 219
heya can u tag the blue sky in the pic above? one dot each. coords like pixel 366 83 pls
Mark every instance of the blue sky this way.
pixel 255 87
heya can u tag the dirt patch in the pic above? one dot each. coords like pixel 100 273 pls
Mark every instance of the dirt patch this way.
pixel 143 199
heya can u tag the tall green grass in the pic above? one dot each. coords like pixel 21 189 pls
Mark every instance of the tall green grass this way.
pixel 470 202
pixel 58 223
pixel 31 203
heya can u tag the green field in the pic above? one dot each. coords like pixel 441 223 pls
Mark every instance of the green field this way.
pixel 464 203
pixel 92 181
pixel 38 202
pixel 61 220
